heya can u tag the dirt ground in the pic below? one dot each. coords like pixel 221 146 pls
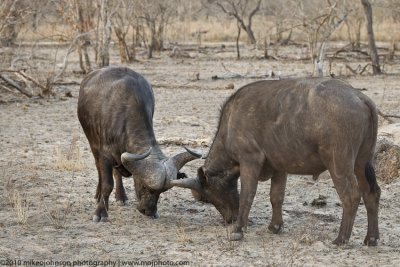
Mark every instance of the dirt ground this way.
pixel 48 180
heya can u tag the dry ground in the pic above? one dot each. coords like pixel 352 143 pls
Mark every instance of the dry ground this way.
pixel 48 181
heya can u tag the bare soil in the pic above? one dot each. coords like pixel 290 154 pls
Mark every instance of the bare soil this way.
pixel 48 179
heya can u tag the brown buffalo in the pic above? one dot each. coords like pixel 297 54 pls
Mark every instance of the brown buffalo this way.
pixel 115 109
pixel 268 129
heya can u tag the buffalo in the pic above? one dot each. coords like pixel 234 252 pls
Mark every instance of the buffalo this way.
pixel 269 129
pixel 115 109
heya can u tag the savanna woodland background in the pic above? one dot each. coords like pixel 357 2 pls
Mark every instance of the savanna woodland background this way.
pixel 195 53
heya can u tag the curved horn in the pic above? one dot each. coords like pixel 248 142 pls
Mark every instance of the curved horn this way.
pixel 126 156
pixel 191 183
pixel 182 158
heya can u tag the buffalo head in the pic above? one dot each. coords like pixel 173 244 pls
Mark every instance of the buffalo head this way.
pixel 150 173
pixel 219 189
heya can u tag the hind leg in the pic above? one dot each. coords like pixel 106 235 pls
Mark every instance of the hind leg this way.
pixel 98 188
pixel 107 185
pixel 277 194
pixel 345 182
pixel 120 195
pixel 371 200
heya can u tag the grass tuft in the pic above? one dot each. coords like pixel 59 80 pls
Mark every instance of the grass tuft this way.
pixel 70 159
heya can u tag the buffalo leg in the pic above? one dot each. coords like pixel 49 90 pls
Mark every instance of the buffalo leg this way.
pixel 347 188
pixel 98 189
pixel 120 195
pixel 248 180
pixel 371 200
pixel 277 194
pixel 107 184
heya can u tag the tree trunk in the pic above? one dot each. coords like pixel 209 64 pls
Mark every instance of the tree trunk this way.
pixel 123 48
pixel 152 44
pixel 84 59
pixel 250 34
pixel 86 56
pixel 237 42
pixel 8 31
pixel 376 70
pixel 103 58
pixel 132 48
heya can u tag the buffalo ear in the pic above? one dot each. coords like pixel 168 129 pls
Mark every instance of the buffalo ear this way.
pixel 202 176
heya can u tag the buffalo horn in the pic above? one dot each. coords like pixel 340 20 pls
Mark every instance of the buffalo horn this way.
pixel 126 157
pixel 191 183
pixel 182 158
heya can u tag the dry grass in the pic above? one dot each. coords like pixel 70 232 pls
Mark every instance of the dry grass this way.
pixel 60 208
pixel 225 30
pixel 222 29
pixel 70 159
pixel 20 205
pixel 181 235
pixel 230 245
pixel 387 161
pixel 58 215
pixel 18 202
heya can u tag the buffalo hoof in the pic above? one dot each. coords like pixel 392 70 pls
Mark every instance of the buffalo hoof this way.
pixel 371 241
pixel 236 236
pixel 340 241
pixel 97 218
pixel 276 228
pixel 121 203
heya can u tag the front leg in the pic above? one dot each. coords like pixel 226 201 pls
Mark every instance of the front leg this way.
pixel 248 180
pixel 277 194
pixel 120 195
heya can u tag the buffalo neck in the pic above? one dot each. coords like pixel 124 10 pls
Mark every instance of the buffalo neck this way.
pixel 218 160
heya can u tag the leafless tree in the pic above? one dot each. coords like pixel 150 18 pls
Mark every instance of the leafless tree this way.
pixel 319 23
pixel 84 20
pixel 157 15
pixel 12 14
pixel 376 69
pixel 103 33
pixel 79 15
pixel 281 17
pixel 354 22
pixel 122 21
pixel 243 11
pixel 393 7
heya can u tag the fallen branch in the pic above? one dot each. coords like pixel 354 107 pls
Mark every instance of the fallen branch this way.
pixel 233 75
pixel 390 116
pixel 7 89
pixel 24 76
pixel 359 70
pixel 350 69
pixel 66 83
pixel 364 69
pixel 20 73
pixel 15 85
pixel 343 50
pixel 387 116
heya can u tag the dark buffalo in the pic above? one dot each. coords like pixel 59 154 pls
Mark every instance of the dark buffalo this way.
pixel 115 109
pixel 268 129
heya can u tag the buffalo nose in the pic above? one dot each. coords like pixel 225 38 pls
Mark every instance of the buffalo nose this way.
pixel 155 216
pixel 151 213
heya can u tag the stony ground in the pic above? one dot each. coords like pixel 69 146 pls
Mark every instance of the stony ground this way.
pixel 48 180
